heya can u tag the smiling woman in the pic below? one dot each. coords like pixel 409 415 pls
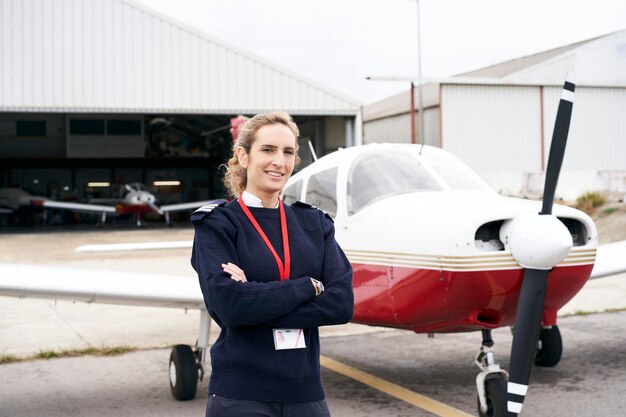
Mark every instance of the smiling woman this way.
pixel 271 274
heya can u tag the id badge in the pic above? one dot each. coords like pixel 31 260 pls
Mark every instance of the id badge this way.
pixel 289 339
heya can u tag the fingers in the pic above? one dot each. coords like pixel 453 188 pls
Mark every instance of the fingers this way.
pixel 235 272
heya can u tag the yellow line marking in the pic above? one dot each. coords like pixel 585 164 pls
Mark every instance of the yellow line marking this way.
pixel 421 401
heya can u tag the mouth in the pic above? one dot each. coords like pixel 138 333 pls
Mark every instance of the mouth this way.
pixel 275 174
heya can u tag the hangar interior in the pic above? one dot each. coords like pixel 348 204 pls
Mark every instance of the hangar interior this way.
pixel 77 157
pixel 94 95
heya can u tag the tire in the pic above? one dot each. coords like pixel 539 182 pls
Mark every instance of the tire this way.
pixel 551 347
pixel 495 393
pixel 183 373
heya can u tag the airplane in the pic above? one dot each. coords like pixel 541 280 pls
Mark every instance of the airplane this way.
pixel 15 199
pixel 135 199
pixel 434 250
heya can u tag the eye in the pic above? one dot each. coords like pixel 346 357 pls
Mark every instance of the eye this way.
pixel 290 152
pixel 268 150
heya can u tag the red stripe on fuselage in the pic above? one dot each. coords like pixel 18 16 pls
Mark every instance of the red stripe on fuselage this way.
pixel 135 208
pixel 426 300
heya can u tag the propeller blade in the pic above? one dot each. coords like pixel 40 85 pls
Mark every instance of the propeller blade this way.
pixel 155 208
pixel 527 328
pixel 535 280
pixel 559 140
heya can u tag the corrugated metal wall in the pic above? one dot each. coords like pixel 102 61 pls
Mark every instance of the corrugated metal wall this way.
pixel 493 127
pixel 115 56
pixel 597 138
pixel 397 129
pixel 497 131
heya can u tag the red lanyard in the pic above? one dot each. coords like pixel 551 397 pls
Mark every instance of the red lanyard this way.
pixel 283 271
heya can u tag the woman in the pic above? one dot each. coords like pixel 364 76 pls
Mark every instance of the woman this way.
pixel 271 274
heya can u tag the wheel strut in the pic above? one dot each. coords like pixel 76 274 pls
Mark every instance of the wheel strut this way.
pixel 485 361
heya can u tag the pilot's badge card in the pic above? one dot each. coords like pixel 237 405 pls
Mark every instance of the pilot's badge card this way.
pixel 289 339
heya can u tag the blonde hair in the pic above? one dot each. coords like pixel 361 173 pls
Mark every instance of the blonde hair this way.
pixel 235 178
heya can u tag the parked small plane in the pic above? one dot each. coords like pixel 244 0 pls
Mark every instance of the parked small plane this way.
pixel 434 250
pixel 135 198
pixel 15 199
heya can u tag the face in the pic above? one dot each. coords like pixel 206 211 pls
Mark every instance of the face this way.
pixel 271 160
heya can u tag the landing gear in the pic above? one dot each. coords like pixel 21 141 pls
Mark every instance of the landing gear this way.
pixel 138 220
pixel 495 397
pixel 550 347
pixel 491 381
pixel 186 366
pixel 183 372
pixel 168 221
pixel 103 220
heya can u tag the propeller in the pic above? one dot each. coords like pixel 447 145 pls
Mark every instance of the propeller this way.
pixel 538 242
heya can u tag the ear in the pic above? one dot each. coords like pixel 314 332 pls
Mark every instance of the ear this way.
pixel 242 156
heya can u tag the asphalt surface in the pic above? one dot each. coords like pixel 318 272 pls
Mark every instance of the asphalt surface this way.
pixel 589 381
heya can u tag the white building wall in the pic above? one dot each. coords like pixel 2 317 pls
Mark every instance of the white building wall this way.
pixel 397 129
pixel 392 129
pixel 492 128
pixel 597 136
pixel 117 56
pixel 497 131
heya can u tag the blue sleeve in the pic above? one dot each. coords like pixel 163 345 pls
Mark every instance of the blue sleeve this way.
pixel 336 304
pixel 233 303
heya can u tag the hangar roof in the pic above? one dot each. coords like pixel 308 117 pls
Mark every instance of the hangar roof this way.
pixel 118 56
pixel 548 67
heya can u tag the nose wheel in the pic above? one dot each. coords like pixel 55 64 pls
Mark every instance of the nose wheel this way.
pixel 495 395
pixel 491 381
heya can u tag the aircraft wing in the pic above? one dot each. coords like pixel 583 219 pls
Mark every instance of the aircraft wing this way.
pixel 87 208
pixel 125 247
pixel 193 205
pixel 100 286
pixel 610 260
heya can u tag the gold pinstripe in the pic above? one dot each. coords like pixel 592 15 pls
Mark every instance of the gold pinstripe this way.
pixel 456 263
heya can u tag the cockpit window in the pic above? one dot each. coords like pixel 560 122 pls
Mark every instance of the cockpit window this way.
pixel 292 193
pixel 321 191
pixel 455 173
pixel 376 174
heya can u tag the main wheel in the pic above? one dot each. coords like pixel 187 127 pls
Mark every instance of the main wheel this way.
pixel 183 373
pixel 550 347
pixel 495 393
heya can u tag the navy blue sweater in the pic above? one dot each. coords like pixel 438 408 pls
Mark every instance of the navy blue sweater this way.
pixel 244 363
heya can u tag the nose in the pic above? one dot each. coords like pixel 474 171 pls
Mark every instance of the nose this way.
pixel 279 159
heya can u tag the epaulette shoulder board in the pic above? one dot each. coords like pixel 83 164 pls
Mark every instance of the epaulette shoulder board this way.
pixel 302 205
pixel 199 215
pixel 305 205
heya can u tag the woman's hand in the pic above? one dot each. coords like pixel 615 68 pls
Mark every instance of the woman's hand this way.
pixel 235 272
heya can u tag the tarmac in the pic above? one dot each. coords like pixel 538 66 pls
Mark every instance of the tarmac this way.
pixel 136 383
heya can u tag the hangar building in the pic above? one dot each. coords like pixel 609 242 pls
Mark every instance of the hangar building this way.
pixel 111 92
pixel 499 119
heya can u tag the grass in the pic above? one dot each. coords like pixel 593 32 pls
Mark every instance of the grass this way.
pixel 608 211
pixel 588 313
pixel 69 353
pixel 590 201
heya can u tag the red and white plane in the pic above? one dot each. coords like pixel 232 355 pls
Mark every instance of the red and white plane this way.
pixel 135 199
pixel 434 250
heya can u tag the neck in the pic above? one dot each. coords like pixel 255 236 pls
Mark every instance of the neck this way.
pixel 267 200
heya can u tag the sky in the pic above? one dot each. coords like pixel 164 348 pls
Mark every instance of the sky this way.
pixel 338 43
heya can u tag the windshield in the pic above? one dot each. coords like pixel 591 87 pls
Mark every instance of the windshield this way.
pixel 453 171
pixel 379 174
